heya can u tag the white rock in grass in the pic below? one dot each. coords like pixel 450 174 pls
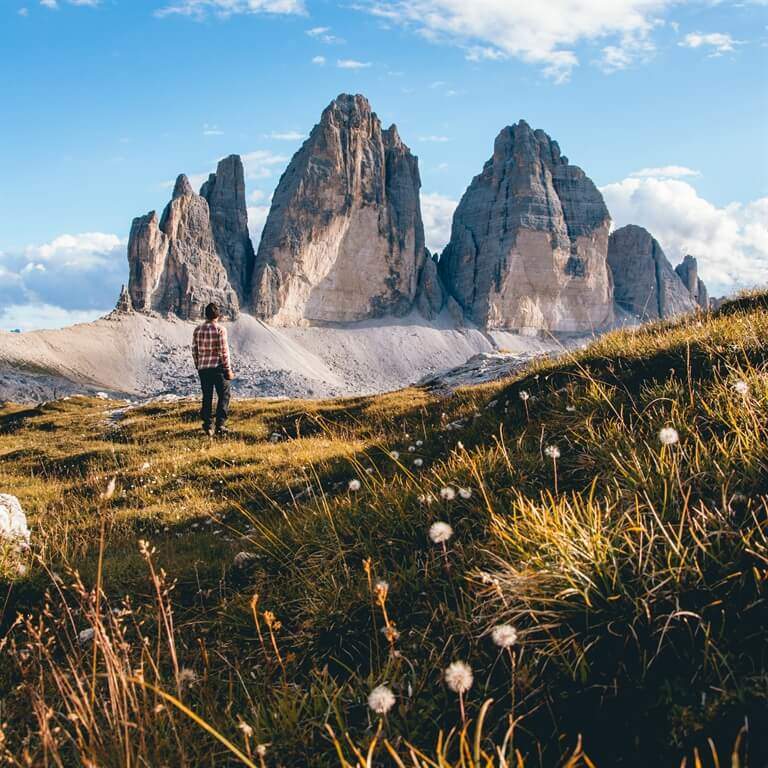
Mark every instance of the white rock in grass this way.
pixel 13 521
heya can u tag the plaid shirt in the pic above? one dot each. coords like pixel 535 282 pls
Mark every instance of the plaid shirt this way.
pixel 209 346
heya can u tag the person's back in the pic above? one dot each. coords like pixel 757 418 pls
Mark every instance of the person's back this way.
pixel 210 351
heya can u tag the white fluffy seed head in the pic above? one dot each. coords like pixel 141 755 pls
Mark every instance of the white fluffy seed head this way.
pixel 440 532
pixel 418 462
pixel 668 436
pixel 381 699
pixel 187 677
pixel 419 443
pixel 458 677
pixel 465 493
pixel 395 455
pixel 86 636
pixel 354 485
pixel 552 451
pixel 504 635
pixel 524 395
pixel 447 493
pixel 741 387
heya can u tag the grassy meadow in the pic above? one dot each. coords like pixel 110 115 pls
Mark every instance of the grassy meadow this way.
pixel 602 571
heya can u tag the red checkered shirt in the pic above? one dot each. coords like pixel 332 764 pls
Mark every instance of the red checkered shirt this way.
pixel 209 346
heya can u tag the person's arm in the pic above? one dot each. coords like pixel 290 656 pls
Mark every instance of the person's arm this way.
pixel 224 353
pixel 195 350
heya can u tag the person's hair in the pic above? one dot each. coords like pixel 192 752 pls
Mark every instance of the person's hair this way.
pixel 212 311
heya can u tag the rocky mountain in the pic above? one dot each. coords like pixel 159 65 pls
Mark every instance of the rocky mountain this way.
pixel 174 265
pixel 688 272
pixel 225 193
pixel 644 282
pixel 344 239
pixel 529 241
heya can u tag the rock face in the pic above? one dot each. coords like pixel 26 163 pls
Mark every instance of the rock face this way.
pixel 688 272
pixel 529 241
pixel 644 282
pixel 344 239
pixel 174 264
pixel 225 193
pixel 124 303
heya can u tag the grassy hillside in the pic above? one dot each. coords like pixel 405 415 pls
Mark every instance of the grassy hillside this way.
pixel 253 591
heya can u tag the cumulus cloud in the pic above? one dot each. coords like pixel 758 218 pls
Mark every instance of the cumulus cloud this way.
pixel 73 272
pixel 437 213
pixel 199 9
pixel 352 64
pixel 665 172
pixel 319 60
pixel 731 243
pixel 257 218
pixel 261 164
pixel 717 43
pixel 541 34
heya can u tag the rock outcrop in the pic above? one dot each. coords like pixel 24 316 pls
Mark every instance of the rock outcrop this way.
pixel 688 272
pixel 344 239
pixel 529 241
pixel 124 303
pixel 174 266
pixel 644 282
pixel 225 193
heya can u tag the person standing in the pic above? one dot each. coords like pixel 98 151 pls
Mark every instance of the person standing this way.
pixel 210 351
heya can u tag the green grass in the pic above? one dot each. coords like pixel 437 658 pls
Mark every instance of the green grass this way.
pixel 634 573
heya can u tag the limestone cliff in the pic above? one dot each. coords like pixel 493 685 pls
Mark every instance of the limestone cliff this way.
pixel 529 241
pixel 344 239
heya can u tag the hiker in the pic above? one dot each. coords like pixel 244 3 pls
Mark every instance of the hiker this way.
pixel 210 351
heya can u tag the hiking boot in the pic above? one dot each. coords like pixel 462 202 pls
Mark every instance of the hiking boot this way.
pixel 208 431
pixel 222 431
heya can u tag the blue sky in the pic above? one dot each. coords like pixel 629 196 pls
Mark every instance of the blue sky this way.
pixel 664 104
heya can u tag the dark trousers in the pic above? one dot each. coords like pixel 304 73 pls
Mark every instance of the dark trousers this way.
pixel 210 379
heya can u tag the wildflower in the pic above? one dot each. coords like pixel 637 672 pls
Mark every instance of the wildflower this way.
pixel 425 498
pixel 524 395
pixel 354 485
pixel 390 633
pixel 741 387
pixel 447 493
pixel 411 449
pixel 394 455
pixel 418 462
pixel 381 699
pixel 86 635
pixel 465 493
pixel 146 465
pixel 504 635
pixel 440 532
pixel 369 470
pixel 419 443
pixel 261 750
pixel 381 588
pixel 552 451
pixel 458 677
pixel 187 677
pixel 246 729
pixel 668 436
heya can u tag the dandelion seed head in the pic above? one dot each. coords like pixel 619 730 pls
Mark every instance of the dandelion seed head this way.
pixel 394 455
pixel 246 729
pixel 419 443
pixel 381 699
pixel 524 395
pixel 741 387
pixel 187 677
pixel 261 750
pixel 354 485
pixel 552 451
pixel 447 493
pixel 418 462
pixel 382 589
pixel 504 635
pixel 440 532
pixel 458 677
pixel 465 493
pixel 668 436
pixel 411 449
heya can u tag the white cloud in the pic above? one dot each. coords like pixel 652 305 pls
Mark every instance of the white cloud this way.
pixel 323 34
pixel 437 214
pixel 54 4
pixel 49 4
pixel 73 272
pixel 320 60
pixel 286 135
pixel 731 243
pixel 434 139
pixel 543 34
pixel 352 64
pixel 198 9
pixel 257 217
pixel 665 171
pixel 256 196
pixel 261 164
pixel 39 316
pixel 212 130
pixel 717 42
pixel 23 11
